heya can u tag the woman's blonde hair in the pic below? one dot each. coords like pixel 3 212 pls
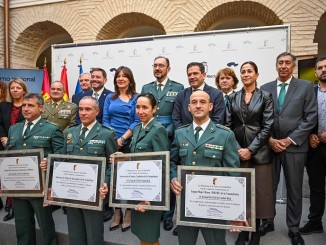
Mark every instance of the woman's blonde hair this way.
pixel 20 82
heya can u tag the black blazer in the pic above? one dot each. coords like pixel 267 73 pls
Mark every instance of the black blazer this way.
pixel 101 100
pixel 181 115
pixel 254 132
pixel 76 98
pixel 5 113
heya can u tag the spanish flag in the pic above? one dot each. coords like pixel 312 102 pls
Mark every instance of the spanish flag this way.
pixel 64 80
pixel 46 83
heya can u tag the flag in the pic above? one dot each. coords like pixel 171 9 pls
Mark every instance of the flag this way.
pixel 78 88
pixel 64 80
pixel 46 83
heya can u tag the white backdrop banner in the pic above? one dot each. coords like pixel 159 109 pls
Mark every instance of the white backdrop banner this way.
pixel 215 49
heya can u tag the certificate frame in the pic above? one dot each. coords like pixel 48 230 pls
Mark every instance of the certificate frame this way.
pixel 248 173
pixel 54 165
pixel 146 158
pixel 36 156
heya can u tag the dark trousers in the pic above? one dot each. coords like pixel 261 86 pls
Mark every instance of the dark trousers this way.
pixel 316 169
pixel 293 168
pixel 25 208
pixel 85 227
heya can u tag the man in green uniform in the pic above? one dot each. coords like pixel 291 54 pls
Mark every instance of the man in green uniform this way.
pixel 165 91
pixel 202 143
pixel 57 110
pixel 90 138
pixel 34 133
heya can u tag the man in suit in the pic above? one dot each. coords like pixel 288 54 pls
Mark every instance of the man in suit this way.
pixel 202 143
pixel 316 163
pixel 90 138
pixel 295 115
pixel 99 92
pixel 57 110
pixel 196 77
pixel 32 133
pixel 165 92
pixel 85 85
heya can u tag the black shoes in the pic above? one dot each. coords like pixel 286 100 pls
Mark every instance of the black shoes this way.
pixel 175 231
pixel 255 238
pixel 243 237
pixel 108 213
pixel 266 227
pixel 296 238
pixel 10 215
pixel 168 225
pixel 311 227
pixel 1 203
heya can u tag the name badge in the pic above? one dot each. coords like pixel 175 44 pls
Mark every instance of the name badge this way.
pixel 40 137
pixel 91 142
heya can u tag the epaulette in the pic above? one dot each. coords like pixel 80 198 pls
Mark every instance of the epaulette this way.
pixel 49 122
pixel 73 125
pixel 183 126
pixel 108 127
pixel 223 127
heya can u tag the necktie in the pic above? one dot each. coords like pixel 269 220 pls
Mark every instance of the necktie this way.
pixel 281 95
pixel 159 88
pixel 198 128
pixel 96 96
pixel 54 105
pixel 82 135
pixel 28 129
pixel 226 99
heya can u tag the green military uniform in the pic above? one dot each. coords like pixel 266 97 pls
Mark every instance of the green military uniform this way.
pixel 217 147
pixel 165 101
pixel 86 226
pixel 146 226
pixel 63 115
pixel 49 137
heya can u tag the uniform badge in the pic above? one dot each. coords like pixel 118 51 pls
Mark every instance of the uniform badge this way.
pixel 69 136
pixel 216 147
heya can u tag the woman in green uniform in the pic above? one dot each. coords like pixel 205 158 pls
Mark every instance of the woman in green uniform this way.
pixel 148 136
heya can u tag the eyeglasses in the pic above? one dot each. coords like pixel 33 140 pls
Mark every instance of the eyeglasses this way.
pixel 159 66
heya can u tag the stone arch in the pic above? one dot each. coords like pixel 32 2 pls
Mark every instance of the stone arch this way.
pixel 232 14
pixel 130 25
pixel 320 35
pixel 35 40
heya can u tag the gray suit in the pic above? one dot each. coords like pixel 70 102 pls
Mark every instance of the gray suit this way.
pixel 295 120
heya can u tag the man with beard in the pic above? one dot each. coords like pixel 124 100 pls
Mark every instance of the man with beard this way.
pixel 316 163
pixel 165 92
pixel 99 92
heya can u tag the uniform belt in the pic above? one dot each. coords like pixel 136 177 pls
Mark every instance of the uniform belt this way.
pixel 164 119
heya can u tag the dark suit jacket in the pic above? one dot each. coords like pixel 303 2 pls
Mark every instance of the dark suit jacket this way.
pixel 254 132
pixel 298 115
pixel 5 113
pixel 76 98
pixel 100 101
pixel 181 115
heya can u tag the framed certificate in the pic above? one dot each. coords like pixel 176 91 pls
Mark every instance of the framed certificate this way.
pixel 141 177
pixel 212 197
pixel 20 173
pixel 74 181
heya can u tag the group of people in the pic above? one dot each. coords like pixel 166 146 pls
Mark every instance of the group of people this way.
pixel 263 128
